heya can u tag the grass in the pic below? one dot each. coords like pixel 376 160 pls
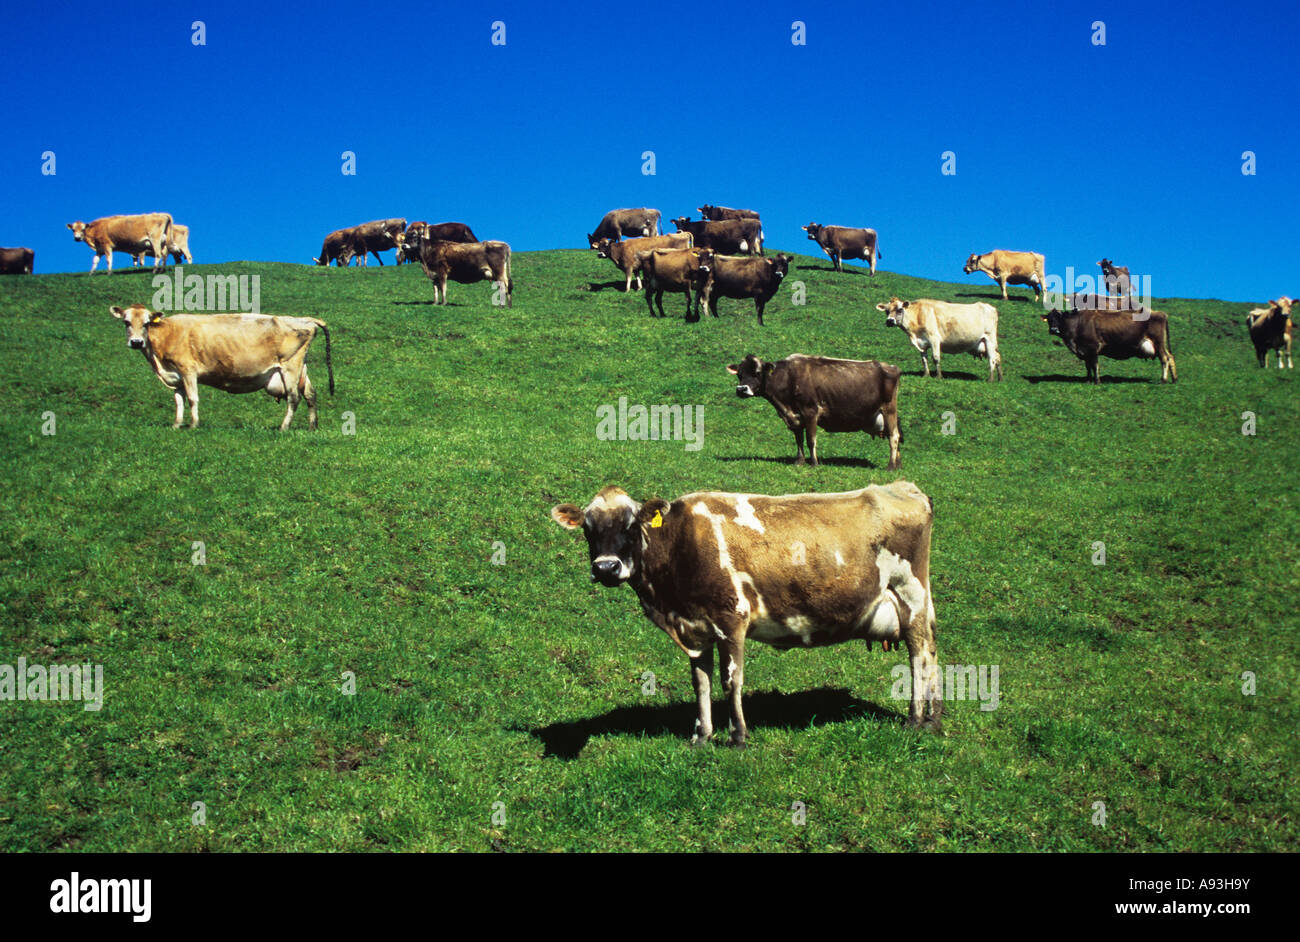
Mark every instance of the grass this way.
pixel 521 683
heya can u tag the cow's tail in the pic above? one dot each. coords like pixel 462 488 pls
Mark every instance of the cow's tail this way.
pixel 329 362
pixel 1169 346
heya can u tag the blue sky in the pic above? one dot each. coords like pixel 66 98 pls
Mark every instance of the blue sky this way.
pixel 1131 150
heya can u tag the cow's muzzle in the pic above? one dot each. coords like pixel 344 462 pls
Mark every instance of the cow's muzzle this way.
pixel 135 343
pixel 744 392
pixel 608 571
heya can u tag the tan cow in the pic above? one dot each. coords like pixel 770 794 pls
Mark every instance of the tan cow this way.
pixel 467 263
pixel 148 232
pixel 626 254
pixel 178 247
pixel 1010 268
pixel 939 327
pixel 1270 329
pixel 240 353
pixel 676 270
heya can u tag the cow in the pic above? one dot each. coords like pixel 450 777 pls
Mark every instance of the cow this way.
pixel 379 236
pixel 727 237
pixel 719 213
pixel 837 395
pixel 939 327
pixel 730 277
pixel 1117 281
pixel 130 234
pixel 1010 268
pixel 674 270
pixel 466 263
pixel 339 247
pixel 1270 329
pixel 1116 334
pixel 240 353
pixel 626 254
pixel 17 261
pixel 417 232
pixel 178 247
pixel 841 242
pixel 618 223
pixel 714 568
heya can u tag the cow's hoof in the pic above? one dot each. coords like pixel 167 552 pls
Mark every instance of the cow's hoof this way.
pixel 697 740
pixel 737 743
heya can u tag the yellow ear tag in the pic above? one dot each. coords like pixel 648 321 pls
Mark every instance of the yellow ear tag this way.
pixel 657 520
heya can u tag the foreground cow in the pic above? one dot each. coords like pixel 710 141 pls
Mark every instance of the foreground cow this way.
pixel 841 242
pixel 240 353
pixel 1270 329
pixel 739 278
pixel 148 232
pixel 466 263
pixel 418 232
pixel 719 213
pixel 939 327
pixel 618 223
pixel 836 395
pixel 1115 334
pixel 17 261
pixel 726 237
pixel 1010 268
pixel 339 247
pixel 626 255
pixel 178 247
pixel 1117 280
pixel 676 270
pixel 715 568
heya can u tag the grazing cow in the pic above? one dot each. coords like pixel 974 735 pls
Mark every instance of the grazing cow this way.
pixel 715 568
pixel 379 236
pixel 17 261
pixel 466 263
pixel 837 395
pixel 1116 279
pixel 625 222
pixel 1010 268
pixel 1115 334
pixel 626 255
pixel 1270 329
pixel 674 270
pixel 841 242
pixel 757 278
pixel 240 353
pixel 939 327
pixel 339 247
pixel 727 237
pixel 417 232
pixel 719 213
pixel 178 247
pixel 130 234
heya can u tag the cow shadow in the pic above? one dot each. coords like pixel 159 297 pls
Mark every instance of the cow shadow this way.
pixel 610 285
pixel 763 709
pixel 948 374
pixel 995 297
pixel 1081 378
pixel 845 461
pixel 831 268
pixel 427 303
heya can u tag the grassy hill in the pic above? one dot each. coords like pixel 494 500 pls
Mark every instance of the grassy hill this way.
pixel 521 683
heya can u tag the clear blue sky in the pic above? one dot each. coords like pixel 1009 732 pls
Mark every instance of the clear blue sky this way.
pixel 1131 150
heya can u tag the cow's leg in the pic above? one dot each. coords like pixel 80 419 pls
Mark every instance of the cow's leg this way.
pixel 839 262
pixel 192 394
pixel 925 361
pixel 798 445
pixel 1173 368
pixel 927 686
pixel 309 393
pixel 378 259
pixel 180 409
pixel 649 300
pixel 889 412
pixel 1094 374
pixel 701 679
pixel 758 307
pixel 94 263
pixel 811 427
pixel 1003 283
pixel 873 261
pixel 108 258
pixel 937 353
pixel 732 670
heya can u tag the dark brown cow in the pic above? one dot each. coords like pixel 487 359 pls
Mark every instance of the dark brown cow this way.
pixel 17 261
pixel 1270 329
pixel 719 213
pixel 757 278
pixel 466 263
pixel 626 254
pixel 841 242
pixel 1117 281
pixel 674 270
pixel 379 236
pixel 340 247
pixel 625 222
pixel 799 571
pixel 1116 334
pixel 837 395
pixel 417 232
pixel 727 237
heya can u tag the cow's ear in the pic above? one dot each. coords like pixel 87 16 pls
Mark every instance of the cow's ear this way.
pixel 906 303
pixel 652 513
pixel 69 225
pixel 733 369
pixel 882 306
pixel 117 312
pixel 567 516
pixel 768 367
pixel 155 316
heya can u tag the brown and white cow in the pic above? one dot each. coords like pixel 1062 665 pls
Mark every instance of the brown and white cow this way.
pixel 178 247
pixel 618 223
pixel 340 247
pixel 19 261
pixel 626 254
pixel 835 395
pixel 1116 279
pixel 939 327
pixel 797 571
pixel 466 263
pixel 1270 329
pixel 147 232
pixel 675 270
pixel 1010 268
pixel 719 213
pixel 240 353
pixel 726 237
pixel 740 278
pixel 1119 335
pixel 841 242
pixel 417 232
pixel 377 236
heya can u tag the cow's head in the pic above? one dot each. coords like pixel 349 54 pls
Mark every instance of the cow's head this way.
pixel 602 247
pixel 972 263
pixel 1055 321
pixel 1106 266
pixel 1282 304
pixel 137 319
pixel 894 311
pixel 680 222
pixel 781 266
pixel 813 230
pixel 614 525
pixel 706 211
pixel 78 231
pixel 751 376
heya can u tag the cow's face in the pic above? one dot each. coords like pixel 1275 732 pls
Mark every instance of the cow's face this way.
pixel 781 266
pixel 78 231
pixel 1283 304
pixel 612 524
pixel 592 241
pixel 751 376
pixel 680 222
pixel 602 247
pixel 972 263
pixel 1055 320
pixel 704 262
pixel 813 230
pixel 893 310
pixel 137 319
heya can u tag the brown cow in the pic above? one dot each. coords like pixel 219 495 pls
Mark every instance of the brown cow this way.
pixel 339 247
pixel 837 395
pixel 626 255
pixel 417 232
pixel 178 247
pixel 757 278
pixel 726 237
pixel 379 236
pixel 719 213
pixel 1117 281
pixel 625 222
pixel 1115 334
pixel 240 353
pixel 466 263
pixel 17 261
pixel 130 234
pixel 674 270
pixel 841 242
pixel 1270 329
pixel 1010 268
pixel 718 569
